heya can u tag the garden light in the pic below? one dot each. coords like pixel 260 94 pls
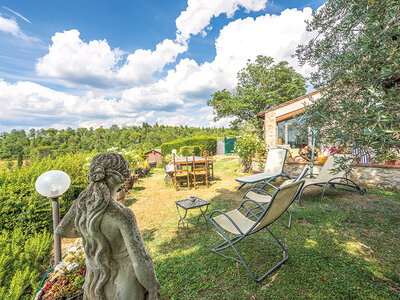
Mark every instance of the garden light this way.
pixel 53 184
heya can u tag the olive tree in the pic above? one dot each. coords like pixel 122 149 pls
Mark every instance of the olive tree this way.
pixel 356 54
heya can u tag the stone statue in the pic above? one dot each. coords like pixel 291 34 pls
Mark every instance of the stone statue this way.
pixel 117 263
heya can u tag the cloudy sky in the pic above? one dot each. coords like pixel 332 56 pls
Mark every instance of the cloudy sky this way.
pixel 98 63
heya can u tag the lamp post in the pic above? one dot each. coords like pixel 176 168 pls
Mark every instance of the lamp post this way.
pixel 52 184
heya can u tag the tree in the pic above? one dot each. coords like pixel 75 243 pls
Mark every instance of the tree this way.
pixel 357 54
pixel 261 85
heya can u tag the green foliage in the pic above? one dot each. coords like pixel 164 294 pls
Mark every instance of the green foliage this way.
pixel 54 142
pixel 357 54
pixel 21 205
pixel 19 160
pixel 189 151
pixel 41 152
pixel 134 157
pixel 160 165
pixel 246 146
pixel 9 164
pixel 23 259
pixel 25 252
pixel 261 85
pixel 204 142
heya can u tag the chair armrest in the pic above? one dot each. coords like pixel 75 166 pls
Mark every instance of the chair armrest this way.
pixel 271 185
pixel 309 175
pixel 225 215
pixel 257 191
pixel 250 211
pixel 249 200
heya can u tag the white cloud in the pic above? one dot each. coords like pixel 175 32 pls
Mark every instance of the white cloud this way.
pixel 11 26
pixel 74 61
pixel 240 40
pixel 198 14
pixel 30 104
pixel 178 98
pixel 78 63
pixel 142 64
pixel 17 14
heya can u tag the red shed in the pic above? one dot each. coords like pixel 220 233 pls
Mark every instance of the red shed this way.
pixel 153 156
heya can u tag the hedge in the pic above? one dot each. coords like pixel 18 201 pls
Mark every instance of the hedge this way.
pixel 205 143
pixel 22 206
pixel 189 151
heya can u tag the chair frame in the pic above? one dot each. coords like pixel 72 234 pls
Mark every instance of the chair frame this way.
pixel 264 192
pixel 179 173
pixel 210 162
pixel 200 169
pixel 266 180
pixel 231 242
pixel 332 182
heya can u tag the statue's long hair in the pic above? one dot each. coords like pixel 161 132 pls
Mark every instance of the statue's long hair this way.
pixel 111 168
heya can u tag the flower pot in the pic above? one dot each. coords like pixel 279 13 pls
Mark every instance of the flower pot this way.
pixel 391 162
pixel 322 159
pixel 76 297
pixel 129 183
pixel 120 195
pixel 257 171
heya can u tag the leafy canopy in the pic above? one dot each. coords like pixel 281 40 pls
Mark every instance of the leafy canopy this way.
pixel 261 85
pixel 357 55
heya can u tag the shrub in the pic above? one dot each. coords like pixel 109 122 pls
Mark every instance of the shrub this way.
pixel 245 147
pixel 204 142
pixel 23 259
pixel 160 165
pixel 189 151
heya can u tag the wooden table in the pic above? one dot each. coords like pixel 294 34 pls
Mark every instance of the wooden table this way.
pixel 181 160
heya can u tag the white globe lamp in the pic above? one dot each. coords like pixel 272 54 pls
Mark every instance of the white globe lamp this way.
pixel 52 184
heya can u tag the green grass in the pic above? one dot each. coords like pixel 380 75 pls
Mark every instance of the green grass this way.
pixel 346 247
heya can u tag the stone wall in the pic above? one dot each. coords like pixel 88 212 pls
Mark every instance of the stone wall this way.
pixel 369 176
pixel 270 129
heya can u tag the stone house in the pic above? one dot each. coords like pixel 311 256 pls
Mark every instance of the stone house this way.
pixel 279 129
pixel 279 121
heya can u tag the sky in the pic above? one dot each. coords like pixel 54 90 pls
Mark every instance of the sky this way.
pixel 97 63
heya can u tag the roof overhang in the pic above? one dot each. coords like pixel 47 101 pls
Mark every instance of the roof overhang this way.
pixel 290 108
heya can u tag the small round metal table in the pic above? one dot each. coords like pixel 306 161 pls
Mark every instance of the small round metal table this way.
pixel 191 203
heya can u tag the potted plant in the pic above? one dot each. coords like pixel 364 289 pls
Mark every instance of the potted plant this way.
pixel 245 147
pixel 260 164
pixel 66 279
pixel 391 158
pixel 120 194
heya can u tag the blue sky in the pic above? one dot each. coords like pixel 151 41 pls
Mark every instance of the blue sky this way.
pixel 98 63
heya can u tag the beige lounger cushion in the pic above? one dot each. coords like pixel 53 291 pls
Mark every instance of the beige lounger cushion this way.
pixel 261 198
pixel 240 220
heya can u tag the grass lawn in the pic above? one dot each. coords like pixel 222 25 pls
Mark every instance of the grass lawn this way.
pixel 345 247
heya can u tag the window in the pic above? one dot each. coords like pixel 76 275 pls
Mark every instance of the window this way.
pixel 289 134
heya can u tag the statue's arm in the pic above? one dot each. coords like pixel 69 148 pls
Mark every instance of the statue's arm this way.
pixel 141 260
pixel 66 228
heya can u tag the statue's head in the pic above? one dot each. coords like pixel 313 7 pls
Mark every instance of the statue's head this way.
pixel 112 168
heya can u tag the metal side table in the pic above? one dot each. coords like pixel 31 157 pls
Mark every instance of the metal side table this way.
pixel 191 203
